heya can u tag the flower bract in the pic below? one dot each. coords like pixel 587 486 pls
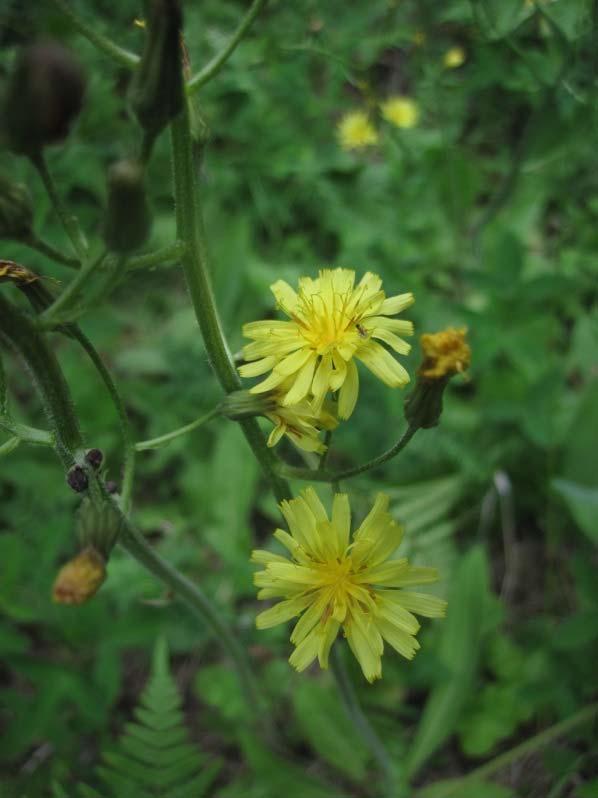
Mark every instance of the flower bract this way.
pixel 337 582
pixel 331 322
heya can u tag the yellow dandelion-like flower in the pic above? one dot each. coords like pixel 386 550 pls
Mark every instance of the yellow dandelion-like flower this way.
pixel 332 322
pixel 445 353
pixel 454 58
pixel 400 111
pixel 301 424
pixel 355 131
pixel 334 583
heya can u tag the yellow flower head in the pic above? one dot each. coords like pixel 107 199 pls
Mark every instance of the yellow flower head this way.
pixel 301 424
pixel 454 58
pixel 331 322
pixel 80 578
pixel 356 131
pixel 334 583
pixel 445 353
pixel 400 111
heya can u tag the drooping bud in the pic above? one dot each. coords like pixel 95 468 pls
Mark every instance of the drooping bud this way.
pixel 80 578
pixel 44 96
pixel 16 210
pixel 157 91
pixel 239 405
pixel 445 354
pixel 128 219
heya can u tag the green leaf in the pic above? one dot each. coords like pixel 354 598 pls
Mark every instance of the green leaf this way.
pixel 458 652
pixel 582 503
pixel 459 788
pixel 498 18
pixel 325 724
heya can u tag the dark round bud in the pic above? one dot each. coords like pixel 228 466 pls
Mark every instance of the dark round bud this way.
pixel 44 96
pixel 128 220
pixel 157 93
pixel 16 210
pixel 77 479
pixel 111 487
pixel 94 458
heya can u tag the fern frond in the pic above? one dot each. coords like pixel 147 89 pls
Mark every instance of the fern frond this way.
pixel 154 758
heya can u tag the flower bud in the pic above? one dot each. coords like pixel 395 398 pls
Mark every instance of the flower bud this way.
pixel 44 96
pixel 80 578
pixel 445 354
pixel 94 458
pixel 157 92
pixel 16 210
pixel 241 404
pixel 128 219
pixel 77 479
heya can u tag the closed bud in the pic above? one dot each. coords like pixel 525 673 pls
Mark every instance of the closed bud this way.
pixel 16 210
pixel 445 354
pixel 128 220
pixel 94 458
pixel 77 479
pixel 80 578
pixel 44 96
pixel 157 91
pixel 242 404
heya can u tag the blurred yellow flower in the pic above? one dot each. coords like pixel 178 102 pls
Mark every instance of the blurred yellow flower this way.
pixel 453 58
pixel 80 578
pixel 334 583
pixel 445 353
pixel 332 321
pixel 400 111
pixel 356 131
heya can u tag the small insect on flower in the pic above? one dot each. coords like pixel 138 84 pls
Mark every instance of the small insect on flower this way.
pixel 334 583
pixel 331 322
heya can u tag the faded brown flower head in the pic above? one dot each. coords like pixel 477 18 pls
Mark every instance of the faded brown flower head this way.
pixel 80 578
pixel 445 353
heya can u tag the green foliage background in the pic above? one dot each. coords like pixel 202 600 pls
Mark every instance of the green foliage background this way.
pixel 487 210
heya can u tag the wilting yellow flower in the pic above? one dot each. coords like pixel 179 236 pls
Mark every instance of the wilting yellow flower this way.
pixel 332 321
pixel 334 583
pixel 453 58
pixel 356 131
pixel 301 424
pixel 400 111
pixel 445 353
pixel 80 578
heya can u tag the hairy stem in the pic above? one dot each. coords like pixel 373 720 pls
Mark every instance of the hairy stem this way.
pixel 170 254
pixel 70 224
pixel 328 476
pixel 103 43
pixel 216 64
pixel 195 260
pixel 50 317
pixel 53 254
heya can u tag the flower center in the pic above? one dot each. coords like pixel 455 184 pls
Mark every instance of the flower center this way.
pixel 325 324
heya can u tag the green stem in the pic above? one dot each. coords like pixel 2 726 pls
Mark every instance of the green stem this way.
pixel 309 474
pixel 156 443
pixel 125 427
pixel 195 261
pixel 216 64
pixel 453 786
pixel 9 446
pixel 170 254
pixel 25 434
pixel 69 222
pixel 109 48
pixel 53 254
pixel 51 316
pixel 33 347
pixel 134 542
pixel 359 719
